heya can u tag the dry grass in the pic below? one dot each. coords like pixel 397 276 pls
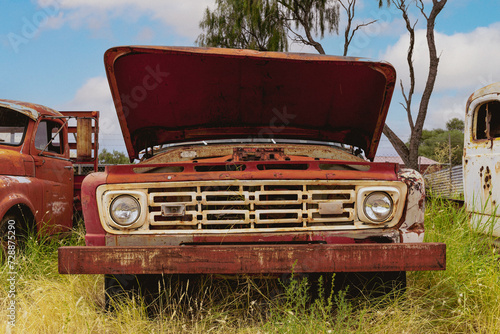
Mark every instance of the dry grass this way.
pixel 463 299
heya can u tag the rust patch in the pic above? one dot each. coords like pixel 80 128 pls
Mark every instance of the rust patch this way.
pixel 258 154
pixel 250 259
pixel 421 203
pixel 486 180
pixel 417 228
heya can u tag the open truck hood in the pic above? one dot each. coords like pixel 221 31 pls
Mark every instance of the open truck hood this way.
pixel 174 94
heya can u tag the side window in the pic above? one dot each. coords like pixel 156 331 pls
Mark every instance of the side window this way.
pixel 13 126
pixel 487 120
pixel 48 137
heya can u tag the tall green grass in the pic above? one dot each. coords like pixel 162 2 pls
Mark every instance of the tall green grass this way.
pixel 463 299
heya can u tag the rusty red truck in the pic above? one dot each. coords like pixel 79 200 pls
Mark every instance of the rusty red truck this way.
pixel 250 163
pixel 39 188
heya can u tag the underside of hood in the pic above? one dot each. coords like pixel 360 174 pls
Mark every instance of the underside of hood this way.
pixel 175 94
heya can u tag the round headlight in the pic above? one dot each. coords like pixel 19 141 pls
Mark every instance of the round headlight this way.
pixel 125 210
pixel 378 206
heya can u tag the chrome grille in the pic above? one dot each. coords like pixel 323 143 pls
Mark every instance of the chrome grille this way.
pixel 255 205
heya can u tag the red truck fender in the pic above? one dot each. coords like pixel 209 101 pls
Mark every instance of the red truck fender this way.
pixel 17 195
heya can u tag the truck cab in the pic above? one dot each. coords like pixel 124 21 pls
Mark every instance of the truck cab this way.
pixel 37 179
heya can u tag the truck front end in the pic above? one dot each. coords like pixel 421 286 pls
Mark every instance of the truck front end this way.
pixel 254 216
pixel 253 166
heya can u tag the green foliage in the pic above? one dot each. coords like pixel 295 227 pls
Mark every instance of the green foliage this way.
pixel 455 124
pixel 250 24
pixel 264 24
pixel 315 16
pixel 329 313
pixel 435 143
pixel 115 158
pixel 471 282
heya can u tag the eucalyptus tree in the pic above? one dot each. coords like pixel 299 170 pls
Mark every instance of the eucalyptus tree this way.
pixel 267 25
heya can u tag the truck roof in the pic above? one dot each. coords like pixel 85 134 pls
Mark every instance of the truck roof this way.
pixel 31 110
pixel 493 88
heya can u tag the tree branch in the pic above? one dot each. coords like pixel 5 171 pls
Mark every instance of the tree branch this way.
pixel 301 14
pixel 403 7
pixel 398 144
pixel 350 10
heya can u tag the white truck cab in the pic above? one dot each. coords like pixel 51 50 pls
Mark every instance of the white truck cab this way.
pixel 481 159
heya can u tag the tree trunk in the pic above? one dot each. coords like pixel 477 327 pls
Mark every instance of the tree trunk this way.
pixel 410 154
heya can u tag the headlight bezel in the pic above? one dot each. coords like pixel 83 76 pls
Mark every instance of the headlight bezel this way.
pixel 364 193
pixel 109 199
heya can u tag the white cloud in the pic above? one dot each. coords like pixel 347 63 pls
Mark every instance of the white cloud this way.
pixel 467 60
pixel 183 16
pixel 444 108
pixel 55 22
pixel 145 35
pixel 301 48
pixel 385 22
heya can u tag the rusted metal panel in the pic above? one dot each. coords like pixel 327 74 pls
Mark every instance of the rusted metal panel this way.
pixel 481 159
pixel 21 190
pixel 412 228
pixel 492 89
pixel 24 108
pixel 193 152
pixel 311 237
pixel 248 170
pixel 31 110
pixel 54 170
pixel 252 259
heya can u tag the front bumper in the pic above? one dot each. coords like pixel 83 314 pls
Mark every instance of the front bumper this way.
pixel 252 259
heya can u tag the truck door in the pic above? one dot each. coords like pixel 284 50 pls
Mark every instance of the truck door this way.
pixel 54 168
pixel 482 161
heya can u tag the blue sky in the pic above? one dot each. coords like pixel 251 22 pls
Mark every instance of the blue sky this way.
pixel 51 51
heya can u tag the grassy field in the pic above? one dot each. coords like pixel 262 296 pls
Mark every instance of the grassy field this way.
pixel 463 299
